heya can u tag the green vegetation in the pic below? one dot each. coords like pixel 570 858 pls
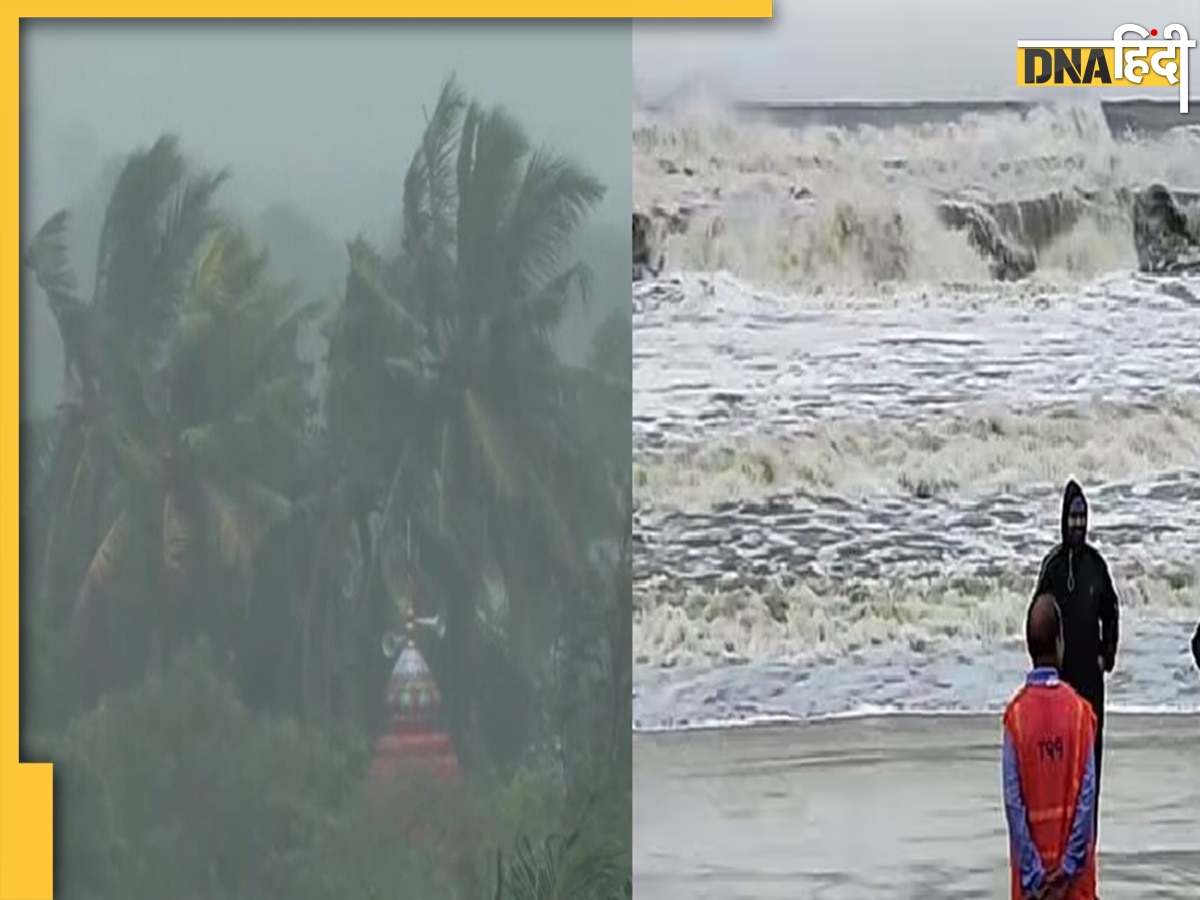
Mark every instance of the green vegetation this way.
pixel 221 518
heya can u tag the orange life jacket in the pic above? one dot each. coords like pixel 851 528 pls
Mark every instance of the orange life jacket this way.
pixel 1052 730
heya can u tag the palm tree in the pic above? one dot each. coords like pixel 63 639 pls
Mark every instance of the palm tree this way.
pixel 185 397
pixel 186 486
pixel 442 370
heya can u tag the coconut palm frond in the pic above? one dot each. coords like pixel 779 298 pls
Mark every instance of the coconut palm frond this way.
pixel 428 204
pixel 106 560
pixel 556 195
pixel 543 310
pixel 48 259
pixel 129 235
pixel 156 223
pixel 240 516
pixel 486 189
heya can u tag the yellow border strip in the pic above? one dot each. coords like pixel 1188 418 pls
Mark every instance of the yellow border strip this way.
pixel 26 789
pixel 413 9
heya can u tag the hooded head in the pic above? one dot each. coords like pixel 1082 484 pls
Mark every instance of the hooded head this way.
pixel 1074 515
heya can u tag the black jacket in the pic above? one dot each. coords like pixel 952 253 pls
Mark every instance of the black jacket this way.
pixel 1196 645
pixel 1079 580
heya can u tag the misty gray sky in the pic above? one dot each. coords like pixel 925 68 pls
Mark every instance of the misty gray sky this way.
pixel 884 49
pixel 325 116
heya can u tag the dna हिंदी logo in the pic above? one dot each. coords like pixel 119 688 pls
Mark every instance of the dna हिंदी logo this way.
pixel 1121 62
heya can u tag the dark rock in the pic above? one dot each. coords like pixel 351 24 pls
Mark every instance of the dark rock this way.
pixel 670 167
pixel 672 221
pixel 645 263
pixel 1167 238
pixel 1010 233
pixel 651 229
pixel 1008 261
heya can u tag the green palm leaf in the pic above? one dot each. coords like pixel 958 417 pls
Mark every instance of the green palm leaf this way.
pixel 240 515
pixel 156 222
pixel 555 197
pixel 47 258
pixel 106 560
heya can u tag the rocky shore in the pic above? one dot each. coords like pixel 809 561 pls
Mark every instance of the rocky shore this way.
pixel 1008 233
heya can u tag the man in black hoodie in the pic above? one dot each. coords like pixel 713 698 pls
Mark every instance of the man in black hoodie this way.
pixel 1196 645
pixel 1077 575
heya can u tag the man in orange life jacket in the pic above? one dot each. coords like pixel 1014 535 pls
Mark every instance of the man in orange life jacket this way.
pixel 1049 773
pixel 1077 576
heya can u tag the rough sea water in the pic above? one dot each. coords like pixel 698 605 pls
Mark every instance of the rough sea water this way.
pixel 850 439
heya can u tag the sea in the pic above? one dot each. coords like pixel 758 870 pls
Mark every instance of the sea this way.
pixel 850 441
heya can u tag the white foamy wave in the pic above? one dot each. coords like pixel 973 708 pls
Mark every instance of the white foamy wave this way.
pixel 816 207
pixel 714 292
pixel 714 357
pixel 1154 675
pixel 967 452
pixel 817 620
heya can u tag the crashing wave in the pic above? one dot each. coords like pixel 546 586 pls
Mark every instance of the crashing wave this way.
pixel 989 197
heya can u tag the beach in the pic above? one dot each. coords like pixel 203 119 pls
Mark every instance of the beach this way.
pixel 893 807
pixel 850 440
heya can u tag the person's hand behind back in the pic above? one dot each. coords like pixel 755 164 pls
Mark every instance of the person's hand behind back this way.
pixel 1054 887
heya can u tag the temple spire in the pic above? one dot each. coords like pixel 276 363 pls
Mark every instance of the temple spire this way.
pixel 412 738
pixel 412 692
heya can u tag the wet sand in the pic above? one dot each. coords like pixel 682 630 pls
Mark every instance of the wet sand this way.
pixel 893 807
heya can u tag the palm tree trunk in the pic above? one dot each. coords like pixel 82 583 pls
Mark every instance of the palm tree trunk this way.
pixel 306 665
pixel 459 666
pixel 327 666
